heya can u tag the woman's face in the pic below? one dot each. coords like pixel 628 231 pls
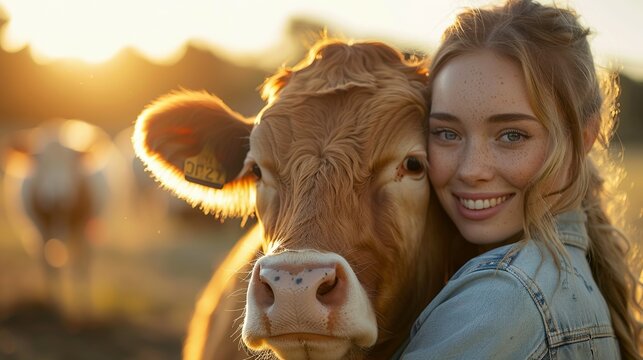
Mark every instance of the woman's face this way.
pixel 485 145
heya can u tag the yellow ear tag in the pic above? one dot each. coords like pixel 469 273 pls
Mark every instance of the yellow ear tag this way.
pixel 204 169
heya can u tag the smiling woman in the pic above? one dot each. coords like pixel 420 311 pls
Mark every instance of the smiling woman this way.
pixel 519 129
pixel 485 145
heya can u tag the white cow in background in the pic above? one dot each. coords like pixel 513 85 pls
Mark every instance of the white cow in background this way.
pixel 56 187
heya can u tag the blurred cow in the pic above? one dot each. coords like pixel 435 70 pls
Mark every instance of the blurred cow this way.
pixel 55 187
pixel 335 168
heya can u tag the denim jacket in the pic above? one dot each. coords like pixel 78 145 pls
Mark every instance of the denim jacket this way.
pixel 519 306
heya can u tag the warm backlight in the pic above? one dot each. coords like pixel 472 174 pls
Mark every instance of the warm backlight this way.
pixel 96 30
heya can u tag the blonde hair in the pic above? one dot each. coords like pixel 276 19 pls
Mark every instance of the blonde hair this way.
pixel 566 94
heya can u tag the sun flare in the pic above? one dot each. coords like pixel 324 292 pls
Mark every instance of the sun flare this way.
pixel 89 30
pixel 251 30
pixel 96 30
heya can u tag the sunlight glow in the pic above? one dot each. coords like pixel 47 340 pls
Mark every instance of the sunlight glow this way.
pixel 255 30
pixel 88 139
pixel 78 135
pixel 18 164
pixel 95 30
pixel 90 30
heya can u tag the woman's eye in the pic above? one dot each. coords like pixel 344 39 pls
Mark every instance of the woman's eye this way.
pixel 513 137
pixel 446 135
pixel 257 171
pixel 413 164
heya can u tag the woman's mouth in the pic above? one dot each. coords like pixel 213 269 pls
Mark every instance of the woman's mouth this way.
pixel 480 204
pixel 481 207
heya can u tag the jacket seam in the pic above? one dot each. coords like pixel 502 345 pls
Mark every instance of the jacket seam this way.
pixel 583 334
pixel 574 239
pixel 540 353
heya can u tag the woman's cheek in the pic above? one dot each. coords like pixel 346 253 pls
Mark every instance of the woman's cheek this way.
pixel 520 166
pixel 442 165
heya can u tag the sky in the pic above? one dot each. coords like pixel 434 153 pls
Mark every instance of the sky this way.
pixel 246 30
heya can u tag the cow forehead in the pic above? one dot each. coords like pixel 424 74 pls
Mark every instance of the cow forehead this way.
pixel 357 123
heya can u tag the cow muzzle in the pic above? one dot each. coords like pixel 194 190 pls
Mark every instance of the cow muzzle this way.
pixel 307 305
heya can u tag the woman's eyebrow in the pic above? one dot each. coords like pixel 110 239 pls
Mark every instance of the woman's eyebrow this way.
pixel 496 118
pixel 443 116
pixel 499 118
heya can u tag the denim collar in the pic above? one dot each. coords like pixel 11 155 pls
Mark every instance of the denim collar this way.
pixel 571 226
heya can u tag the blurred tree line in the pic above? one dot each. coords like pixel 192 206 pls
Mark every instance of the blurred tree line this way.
pixel 113 93
pixel 630 129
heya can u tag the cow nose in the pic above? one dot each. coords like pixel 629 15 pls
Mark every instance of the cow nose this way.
pixel 317 283
pixel 306 297
pixel 308 285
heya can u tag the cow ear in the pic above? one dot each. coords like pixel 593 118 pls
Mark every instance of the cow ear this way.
pixel 194 145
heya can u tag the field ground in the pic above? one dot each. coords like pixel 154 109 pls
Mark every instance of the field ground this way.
pixel 146 274
pixel 136 303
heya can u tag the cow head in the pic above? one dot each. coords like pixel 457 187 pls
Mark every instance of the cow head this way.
pixel 334 167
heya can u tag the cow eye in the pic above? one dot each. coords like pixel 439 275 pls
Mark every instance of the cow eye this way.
pixel 257 171
pixel 413 164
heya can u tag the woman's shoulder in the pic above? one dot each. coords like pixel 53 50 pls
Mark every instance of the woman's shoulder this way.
pixel 563 291
pixel 518 294
pixel 530 265
pixel 503 279
pixel 484 311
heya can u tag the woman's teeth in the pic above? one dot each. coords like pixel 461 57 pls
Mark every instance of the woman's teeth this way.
pixel 482 204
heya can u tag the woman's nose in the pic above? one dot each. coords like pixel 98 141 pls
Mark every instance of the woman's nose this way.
pixel 475 164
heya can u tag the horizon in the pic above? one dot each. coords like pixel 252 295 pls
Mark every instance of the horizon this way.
pixel 171 29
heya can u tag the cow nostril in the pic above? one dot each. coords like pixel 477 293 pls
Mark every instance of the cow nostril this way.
pixel 265 294
pixel 325 290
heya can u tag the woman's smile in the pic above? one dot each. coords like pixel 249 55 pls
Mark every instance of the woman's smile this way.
pixel 478 207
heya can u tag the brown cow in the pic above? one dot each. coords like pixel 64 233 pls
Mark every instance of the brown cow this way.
pixel 335 169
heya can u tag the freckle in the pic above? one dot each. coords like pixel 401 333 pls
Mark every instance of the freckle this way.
pixel 298 281
pixel 310 270
pixel 277 278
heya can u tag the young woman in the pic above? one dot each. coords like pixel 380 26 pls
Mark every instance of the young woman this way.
pixel 518 123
